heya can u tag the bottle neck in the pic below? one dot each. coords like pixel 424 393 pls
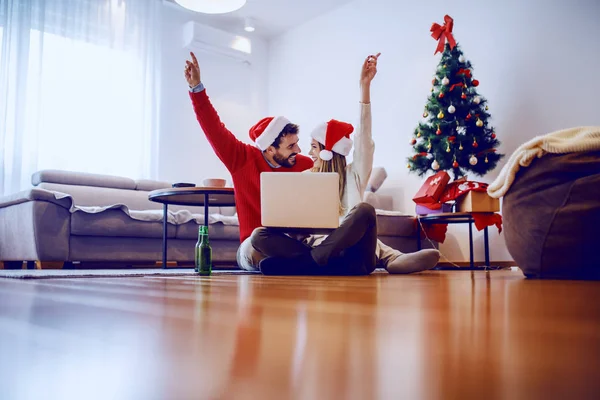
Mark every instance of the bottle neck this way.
pixel 203 235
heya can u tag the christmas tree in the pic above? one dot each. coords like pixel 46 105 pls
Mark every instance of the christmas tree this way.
pixel 455 133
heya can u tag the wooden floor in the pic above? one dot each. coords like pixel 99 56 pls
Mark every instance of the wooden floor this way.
pixel 450 335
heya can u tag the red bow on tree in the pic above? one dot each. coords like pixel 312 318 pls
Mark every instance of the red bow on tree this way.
pixel 465 72
pixel 456 85
pixel 440 33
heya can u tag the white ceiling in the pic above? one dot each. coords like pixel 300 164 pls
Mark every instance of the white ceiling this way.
pixel 271 17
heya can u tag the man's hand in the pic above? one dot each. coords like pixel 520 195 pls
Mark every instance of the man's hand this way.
pixel 369 70
pixel 192 71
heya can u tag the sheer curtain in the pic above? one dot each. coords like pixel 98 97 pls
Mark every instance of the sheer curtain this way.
pixel 79 86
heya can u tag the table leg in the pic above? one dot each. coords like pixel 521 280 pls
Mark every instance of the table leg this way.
pixel 164 260
pixel 487 246
pixel 206 209
pixel 471 245
pixel 418 234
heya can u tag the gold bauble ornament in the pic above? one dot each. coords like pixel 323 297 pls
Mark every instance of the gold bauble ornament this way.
pixel 419 134
pixel 479 123
pixel 408 166
pixel 486 108
pixel 448 148
pixel 440 115
pixel 425 114
pixel 461 146
pixel 486 159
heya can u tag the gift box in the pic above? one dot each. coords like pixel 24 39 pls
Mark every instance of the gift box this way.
pixel 475 201
pixel 424 210
pixel 432 189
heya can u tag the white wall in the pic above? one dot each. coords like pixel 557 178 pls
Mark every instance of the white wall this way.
pixel 238 92
pixel 537 62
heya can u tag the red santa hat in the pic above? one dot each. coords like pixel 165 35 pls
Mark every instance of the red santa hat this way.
pixel 335 136
pixel 266 131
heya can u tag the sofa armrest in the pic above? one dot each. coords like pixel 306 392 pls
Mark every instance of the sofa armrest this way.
pixel 34 230
pixel 35 194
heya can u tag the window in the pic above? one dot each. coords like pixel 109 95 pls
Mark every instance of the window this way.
pixel 84 102
pixel 80 94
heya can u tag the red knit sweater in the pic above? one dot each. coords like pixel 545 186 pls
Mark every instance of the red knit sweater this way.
pixel 245 163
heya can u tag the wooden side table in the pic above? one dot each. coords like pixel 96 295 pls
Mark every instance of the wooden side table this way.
pixel 456 218
pixel 190 196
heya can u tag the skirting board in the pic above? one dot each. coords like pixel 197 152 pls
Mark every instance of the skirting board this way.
pixel 501 264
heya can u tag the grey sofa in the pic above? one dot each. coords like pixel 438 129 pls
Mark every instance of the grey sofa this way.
pixel 91 219
pixel 35 225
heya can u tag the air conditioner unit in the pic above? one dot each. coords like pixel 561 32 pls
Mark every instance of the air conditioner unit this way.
pixel 198 37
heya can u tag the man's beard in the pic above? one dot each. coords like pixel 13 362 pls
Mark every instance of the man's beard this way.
pixel 285 162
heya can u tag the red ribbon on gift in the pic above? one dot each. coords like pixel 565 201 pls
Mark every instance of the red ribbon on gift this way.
pixel 437 232
pixel 465 72
pixel 443 32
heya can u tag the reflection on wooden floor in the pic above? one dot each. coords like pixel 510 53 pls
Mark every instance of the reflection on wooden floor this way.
pixel 434 335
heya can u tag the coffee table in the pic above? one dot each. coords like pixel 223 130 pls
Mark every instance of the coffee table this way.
pixel 191 196
pixel 457 218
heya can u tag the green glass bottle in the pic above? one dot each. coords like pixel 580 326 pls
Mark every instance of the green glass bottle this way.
pixel 203 255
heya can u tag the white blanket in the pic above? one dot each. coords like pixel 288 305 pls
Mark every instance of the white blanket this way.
pixel 579 139
pixel 65 200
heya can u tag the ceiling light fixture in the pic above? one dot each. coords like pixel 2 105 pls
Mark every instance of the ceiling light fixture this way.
pixel 249 26
pixel 212 6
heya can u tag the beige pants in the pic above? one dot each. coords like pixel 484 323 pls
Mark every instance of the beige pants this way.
pixel 247 257
pixel 385 254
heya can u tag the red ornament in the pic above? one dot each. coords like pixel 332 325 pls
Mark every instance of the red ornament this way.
pixel 413 141
pixel 463 96
pixel 493 136
pixel 415 156
pixel 441 96
pixel 433 81
pixel 475 144
pixel 475 82
pixel 451 139
pixel 468 117
pixel 438 132
pixel 455 164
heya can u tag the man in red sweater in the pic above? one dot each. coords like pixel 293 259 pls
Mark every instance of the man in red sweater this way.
pixel 276 150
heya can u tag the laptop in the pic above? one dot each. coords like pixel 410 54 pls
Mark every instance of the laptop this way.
pixel 300 200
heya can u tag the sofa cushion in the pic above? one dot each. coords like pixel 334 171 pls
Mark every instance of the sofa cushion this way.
pixel 81 179
pixel 378 175
pixel 551 213
pixel 149 185
pixel 216 231
pixel 110 249
pixel 117 224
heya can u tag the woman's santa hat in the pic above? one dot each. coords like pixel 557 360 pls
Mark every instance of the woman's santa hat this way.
pixel 335 136
pixel 266 131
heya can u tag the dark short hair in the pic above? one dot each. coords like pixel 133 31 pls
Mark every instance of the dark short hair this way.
pixel 289 129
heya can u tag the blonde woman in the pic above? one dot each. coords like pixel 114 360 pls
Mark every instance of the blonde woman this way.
pixel 329 147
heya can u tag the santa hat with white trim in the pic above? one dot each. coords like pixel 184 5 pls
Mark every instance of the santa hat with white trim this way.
pixel 335 136
pixel 266 131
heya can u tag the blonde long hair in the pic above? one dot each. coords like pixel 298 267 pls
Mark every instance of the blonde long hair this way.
pixel 336 164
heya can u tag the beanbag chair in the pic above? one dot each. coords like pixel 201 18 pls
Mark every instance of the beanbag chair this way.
pixel 551 216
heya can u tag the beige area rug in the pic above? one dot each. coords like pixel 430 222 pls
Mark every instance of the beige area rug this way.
pixel 110 273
